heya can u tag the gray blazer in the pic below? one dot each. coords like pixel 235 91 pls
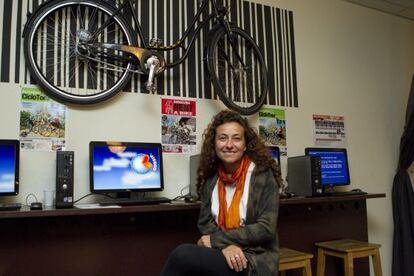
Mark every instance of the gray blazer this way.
pixel 258 238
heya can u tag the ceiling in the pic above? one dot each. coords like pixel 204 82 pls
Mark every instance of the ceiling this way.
pixel 402 8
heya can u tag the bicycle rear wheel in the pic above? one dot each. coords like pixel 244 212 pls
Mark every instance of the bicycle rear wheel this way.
pixel 60 49
pixel 237 71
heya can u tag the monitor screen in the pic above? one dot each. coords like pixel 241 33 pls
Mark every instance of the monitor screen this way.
pixel 9 167
pixel 334 165
pixel 125 167
pixel 275 153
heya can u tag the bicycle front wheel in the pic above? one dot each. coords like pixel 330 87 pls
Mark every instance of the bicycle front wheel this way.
pixel 237 70
pixel 60 46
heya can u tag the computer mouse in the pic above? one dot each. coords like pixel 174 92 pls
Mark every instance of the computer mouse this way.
pixel 190 199
pixel 36 206
pixel 287 194
pixel 356 190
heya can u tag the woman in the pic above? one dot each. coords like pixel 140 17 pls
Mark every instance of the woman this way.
pixel 238 183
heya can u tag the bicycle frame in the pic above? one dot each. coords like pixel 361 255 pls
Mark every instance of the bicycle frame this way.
pixel 140 53
pixel 92 60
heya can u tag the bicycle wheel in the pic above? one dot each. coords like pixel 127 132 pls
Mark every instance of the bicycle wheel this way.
pixel 62 52
pixel 237 71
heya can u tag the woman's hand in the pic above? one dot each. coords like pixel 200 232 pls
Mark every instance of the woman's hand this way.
pixel 235 257
pixel 204 241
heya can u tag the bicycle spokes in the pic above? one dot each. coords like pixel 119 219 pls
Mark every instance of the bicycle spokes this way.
pixel 238 79
pixel 63 54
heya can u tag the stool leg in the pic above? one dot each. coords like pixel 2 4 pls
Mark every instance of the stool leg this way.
pixel 320 269
pixel 307 269
pixel 376 261
pixel 349 265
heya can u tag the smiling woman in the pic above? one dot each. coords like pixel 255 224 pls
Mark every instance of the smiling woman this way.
pixel 238 182
pixel 230 145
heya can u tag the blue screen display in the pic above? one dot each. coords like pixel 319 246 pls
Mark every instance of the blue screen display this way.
pixel 275 153
pixel 126 167
pixel 7 168
pixel 334 166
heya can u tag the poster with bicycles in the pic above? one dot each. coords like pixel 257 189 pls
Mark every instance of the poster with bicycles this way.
pixel 178 126
pixel 272 128
pixel 42 121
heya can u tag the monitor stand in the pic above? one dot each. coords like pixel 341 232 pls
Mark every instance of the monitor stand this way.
pixel 129 196
pixel 123 195
pixel 328 189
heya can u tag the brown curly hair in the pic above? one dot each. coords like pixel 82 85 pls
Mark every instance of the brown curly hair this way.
pixel 255 149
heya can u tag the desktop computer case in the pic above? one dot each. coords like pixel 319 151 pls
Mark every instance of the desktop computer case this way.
pixel 64 179
pixel 304 175
pixel 194 162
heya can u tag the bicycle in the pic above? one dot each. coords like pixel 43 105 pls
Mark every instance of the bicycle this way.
pixel 83 52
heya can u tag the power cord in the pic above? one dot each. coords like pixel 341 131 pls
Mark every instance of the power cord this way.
pixel 182 196
pixel 28 196
pixel 82 198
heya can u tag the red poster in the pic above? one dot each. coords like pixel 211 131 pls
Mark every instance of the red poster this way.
pixel 178 107
pixel 178 126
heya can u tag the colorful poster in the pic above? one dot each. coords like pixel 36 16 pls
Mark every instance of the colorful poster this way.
pixel 329 131
pixel 42 121
pixel 178 126
pixel 272 128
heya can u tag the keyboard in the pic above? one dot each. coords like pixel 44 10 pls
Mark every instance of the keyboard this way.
pixel 10 206
pixel 347 193
pixel 136 201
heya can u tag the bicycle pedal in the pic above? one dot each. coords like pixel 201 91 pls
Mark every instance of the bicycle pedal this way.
pixel 151 87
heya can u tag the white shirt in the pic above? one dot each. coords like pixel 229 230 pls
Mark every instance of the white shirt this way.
pixel 230 189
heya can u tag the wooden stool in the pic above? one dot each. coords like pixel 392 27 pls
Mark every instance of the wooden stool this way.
pixel 292 259
pixel 348 250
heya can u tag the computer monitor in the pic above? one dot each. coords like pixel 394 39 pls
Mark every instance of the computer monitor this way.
pixel 275 153
pixel 9 167
pixel 125 167
pixel 334 165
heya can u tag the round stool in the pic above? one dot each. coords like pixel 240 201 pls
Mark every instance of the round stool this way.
pixel 348 250
pixel 292 259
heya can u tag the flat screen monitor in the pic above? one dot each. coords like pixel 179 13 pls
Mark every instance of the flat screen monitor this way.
pixel 334 165
pixel 275 153
pixel 125 167
pixel 9 167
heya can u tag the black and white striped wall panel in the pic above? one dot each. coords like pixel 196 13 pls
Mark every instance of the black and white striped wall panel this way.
pixel 271 27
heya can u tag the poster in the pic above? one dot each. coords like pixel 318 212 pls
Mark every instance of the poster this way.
pixel 272 128
pixel 178 126
pixel 329 131
pixel 42 121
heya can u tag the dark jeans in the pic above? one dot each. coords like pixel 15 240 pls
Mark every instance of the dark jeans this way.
pixel 191 259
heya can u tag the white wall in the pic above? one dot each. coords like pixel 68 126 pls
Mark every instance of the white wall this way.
pixel 351 61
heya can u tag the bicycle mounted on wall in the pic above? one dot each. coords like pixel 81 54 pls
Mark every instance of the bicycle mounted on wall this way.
pixel 84 52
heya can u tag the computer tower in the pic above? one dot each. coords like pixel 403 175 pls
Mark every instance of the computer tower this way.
pixel 64 179
pixel 304 175
pixel 194 162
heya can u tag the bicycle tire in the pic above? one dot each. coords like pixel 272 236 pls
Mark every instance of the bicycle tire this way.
pixel 230 77
pixel 53 55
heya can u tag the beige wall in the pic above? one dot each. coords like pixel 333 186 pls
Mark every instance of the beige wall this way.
pixel 351 61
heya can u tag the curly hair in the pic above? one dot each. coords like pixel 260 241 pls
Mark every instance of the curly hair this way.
pixel 255 149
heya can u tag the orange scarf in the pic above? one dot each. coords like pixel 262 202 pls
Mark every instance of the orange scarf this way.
pixel 230 218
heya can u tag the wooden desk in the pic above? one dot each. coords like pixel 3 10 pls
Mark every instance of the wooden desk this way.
pixel 304 221
pixel 136 240
pixel 133 240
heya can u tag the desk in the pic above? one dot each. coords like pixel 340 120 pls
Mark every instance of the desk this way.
pixel 133 240
pixel 136 240
pixel 304 221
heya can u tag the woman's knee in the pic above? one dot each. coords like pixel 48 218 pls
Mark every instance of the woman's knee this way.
pixel 183 252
